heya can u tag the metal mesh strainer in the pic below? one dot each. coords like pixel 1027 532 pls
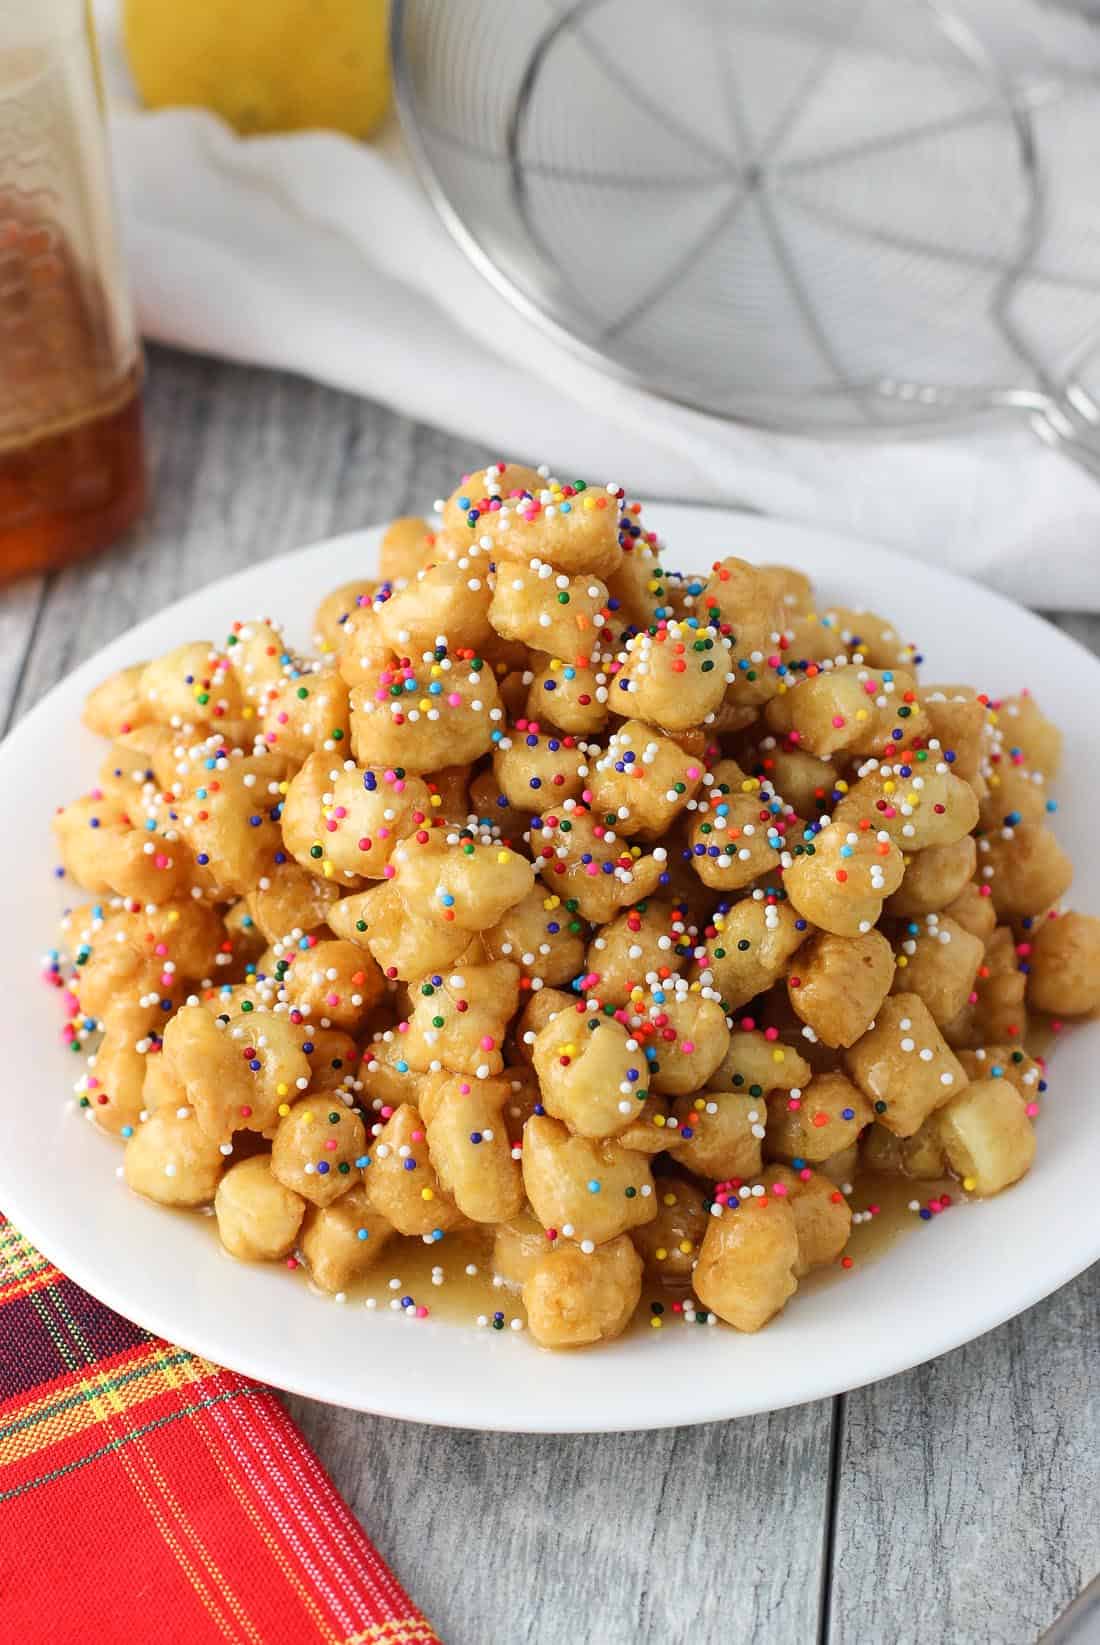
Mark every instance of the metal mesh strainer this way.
pixel 808 214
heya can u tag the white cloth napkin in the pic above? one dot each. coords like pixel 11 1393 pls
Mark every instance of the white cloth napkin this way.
pixel 323 256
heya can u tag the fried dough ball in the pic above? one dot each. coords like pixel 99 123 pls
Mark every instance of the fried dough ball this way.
pixel 573 698
pixel 319 1148
pixel 995 1062
pixel 286 899
pixel 743 599
pixel 851 709
pixel 1025 868
pixel 836 984
pixel 539 936
pixel 574 1299
pixel 584 1188
pixel 345 822
pixel 592 1073
pixel 675 678
pixel 841 877
pixel 407 544
pixel 258 1219
pixel 959 724
pixel 230 818
pixel 405 945
pixel 552 612
pixel 755 940
pixel 334 984
pixel 995 1010
pixel 736 835
pixel 462 878
pixel 642 781
pixel 815 1122
pixel 806 783
pixel 1064 965
pixel 343 1241
pixel 409 1196
pixel 643 946
pixel 470 1148
pixel 917 801
pixel 973 909
pixel 920 1156
pixel 987 1136
pixel 424 716
pixel 172 1160
pixel 746 1268
pixel 306 714
pixel 459 1019
pixel 856 634
pixel 447 601
pixel 757 1062
pixel 103 851
pixel 586 862
pixel 934 878
pixel 1025 730
pixel 116 705
pixel 822 1216
pixel 939 960
pixel 686 1036
pixel 669 1245
pixel 534 769
pixel 538 1011
pixel 1014 795
pixel 516 513
pixel 904 1066
pixel 113 1090
pixel 721 1134
pixel 237 1068
pixel 334 610
pixel 191 685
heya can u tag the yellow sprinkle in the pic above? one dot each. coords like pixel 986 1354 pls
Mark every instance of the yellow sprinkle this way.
pixel 283 787
pixel 173 916
pixel 659 1119
pixel 861 713
pixel 888 788
pixel 247 713
pixel 970 1183
pixel 668 1199
pixel 841 786
pixel 327 866
pixel 903 961
pixel 436 800
pixel 550 903
pixel 779 1056
pixel 686 1247
pixel 427 1193
pixel 308 1115
pixel 504 856
pixel 655 1321
pixel 281 1089
pixel 424 704
pixel 660 1253
pixel 284 1109
pixel 436 671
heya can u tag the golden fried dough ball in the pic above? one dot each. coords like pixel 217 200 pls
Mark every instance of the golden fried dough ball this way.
pixel 191 685
pixel 987 1136
pixel 938 959
pixel 721 1134
pixel 258 1219
pixel 753 942
pixel 972 909
pixel 539 936
pixel 573 698
pixel 836 984
pixel 685 1034
pixel 1024 730
pixel 470 1148
pixel 446 603
pixel 996 1008
pixel 592 1073
pixel 851 709
pixel 307 713
pixel 1064 965
pixel 460 877
pixel 404 944
pixel 407 544
pixel 116 705
pixel 934 878
pixel 333 984
pixel 459 1019
pixel 547 610
pixel 113 1090
pixel 916 799
pixel 676 678
pixel 237 1068
pixel 517 513
pixel 584 1188
pixel 423 716
pixel 1025 868
pixel 102 850
pixel 757 1061
pixel 669 1245
pixel 746 1268
pixel 231 815
pixel 401 1182
pixel 817 1121
pixel 286 899
pixel 574 1299
pixel 171 1159
pixel 534 768
pixel 343 1241
pixel 959 721
pixel 332 614
pixel 995 1062
pixel 587 863
pixel 840 878
pixel 904 1066
pixel 642 780
pixel 640 948
pixel 344 822
pixel 319 1148
pixel 822 1216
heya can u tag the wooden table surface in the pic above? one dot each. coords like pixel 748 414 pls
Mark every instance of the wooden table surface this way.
pixel 956 1503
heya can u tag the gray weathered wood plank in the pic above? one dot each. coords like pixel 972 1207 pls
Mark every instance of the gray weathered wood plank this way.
pixel 19 611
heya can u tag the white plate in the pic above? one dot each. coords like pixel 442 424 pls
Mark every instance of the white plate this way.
pixel 951 1280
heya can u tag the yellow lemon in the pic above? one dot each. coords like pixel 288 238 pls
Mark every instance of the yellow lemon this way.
pixel 264 65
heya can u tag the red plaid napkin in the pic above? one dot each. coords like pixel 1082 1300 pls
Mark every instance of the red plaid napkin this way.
pixel 146 1494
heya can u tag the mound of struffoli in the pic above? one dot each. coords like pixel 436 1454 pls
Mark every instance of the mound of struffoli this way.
pixel 621 912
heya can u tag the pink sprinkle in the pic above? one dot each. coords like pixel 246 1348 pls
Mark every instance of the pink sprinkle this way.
pixel 687 1047
pixel 454 699
pixel 161 949
pixel 693 771
pixel 779 1189
pixel 422 1312
pixel 487 1042
pixel 838 720
pixel 389 871
pixel 385 1111
pixel 161 860
pixel 771 1033
pixel 330 1142
pixel 1032 1110
pixel 464 1089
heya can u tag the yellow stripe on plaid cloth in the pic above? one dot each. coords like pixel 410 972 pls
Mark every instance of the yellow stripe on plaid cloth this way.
pixel 22 1268
pixel 399 1631
pixel 151 1370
